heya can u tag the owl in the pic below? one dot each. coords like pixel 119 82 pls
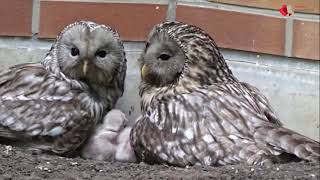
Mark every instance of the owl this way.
pixel 196 112
pixel 52 106
pixel 110 140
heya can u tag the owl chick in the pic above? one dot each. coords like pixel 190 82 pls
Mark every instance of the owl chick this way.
pixel 54 104
pixel 195 111
pixel 111 140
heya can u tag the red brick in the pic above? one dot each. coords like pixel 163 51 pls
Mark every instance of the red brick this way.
pixel 306 6
pixel 235 30
pixel 15 17
pixel 132 21
pixel 306 39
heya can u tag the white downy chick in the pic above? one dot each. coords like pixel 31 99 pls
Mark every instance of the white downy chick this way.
pixel 110 140
pixel 125 152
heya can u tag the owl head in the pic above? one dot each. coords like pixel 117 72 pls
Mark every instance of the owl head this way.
pixel 88 52
pixel 178 53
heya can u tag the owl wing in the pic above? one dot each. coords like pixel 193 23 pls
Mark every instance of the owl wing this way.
pixel 263 103
pixel 214 126
pixel 36 106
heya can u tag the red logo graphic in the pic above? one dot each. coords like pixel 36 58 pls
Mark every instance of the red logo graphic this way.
pixel 286 10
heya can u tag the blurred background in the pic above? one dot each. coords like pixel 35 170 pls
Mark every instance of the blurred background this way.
pixel 273 45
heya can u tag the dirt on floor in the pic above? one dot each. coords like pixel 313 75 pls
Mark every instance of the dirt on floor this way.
pixel 16 164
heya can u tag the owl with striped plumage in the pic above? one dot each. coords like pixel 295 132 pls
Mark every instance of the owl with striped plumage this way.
pixel 53 105
pixel 195 111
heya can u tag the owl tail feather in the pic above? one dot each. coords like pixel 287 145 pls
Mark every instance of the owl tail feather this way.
pixel 290 142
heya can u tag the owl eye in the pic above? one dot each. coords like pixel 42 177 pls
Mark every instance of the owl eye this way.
pixel 164 57
pixel 101 53
pixel 75 51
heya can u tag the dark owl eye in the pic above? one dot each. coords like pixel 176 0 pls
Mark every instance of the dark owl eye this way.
pixel 101 53
pixel 75 51
pixel 164 57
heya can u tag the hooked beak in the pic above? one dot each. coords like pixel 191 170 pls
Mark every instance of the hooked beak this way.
pixel 144 71
pixel 85 67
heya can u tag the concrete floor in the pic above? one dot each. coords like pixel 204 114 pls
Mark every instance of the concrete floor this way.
pixel 291 85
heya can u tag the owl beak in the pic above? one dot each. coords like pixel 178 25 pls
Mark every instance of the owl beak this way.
pixel 85 67
pixel 144 71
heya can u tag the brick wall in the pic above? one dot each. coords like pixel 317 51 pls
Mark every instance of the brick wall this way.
pixel 245 29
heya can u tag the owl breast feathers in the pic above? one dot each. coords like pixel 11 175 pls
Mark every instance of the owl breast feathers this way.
pixel 194 111
pixel 53 105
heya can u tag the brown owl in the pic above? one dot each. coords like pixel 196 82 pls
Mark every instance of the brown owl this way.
pixel 195 111
pixel 54 104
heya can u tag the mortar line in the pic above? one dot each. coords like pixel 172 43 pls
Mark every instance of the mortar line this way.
pixel 35 17
pixel 171 11
pixel 288 36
